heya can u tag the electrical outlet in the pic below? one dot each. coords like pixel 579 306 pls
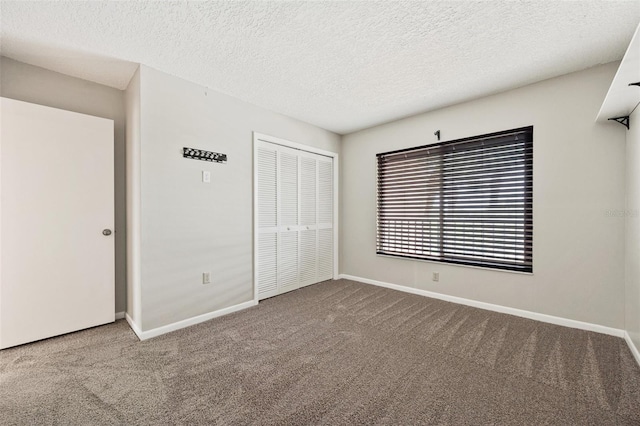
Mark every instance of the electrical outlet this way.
pixel 436 276
pixel 206 278
pixel 206 177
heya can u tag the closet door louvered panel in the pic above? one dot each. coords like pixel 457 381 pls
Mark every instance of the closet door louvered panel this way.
pixel 288 277
pixel 325 219
pixel 288 195
pixel 308 215
pixel 267 265
pixel 267 188
pixel 325 254
pixel 288 173
pixel 325 192
pixel 308 190
pixel 308 257
pixel 267 220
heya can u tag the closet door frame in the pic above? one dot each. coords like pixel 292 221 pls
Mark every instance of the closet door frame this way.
pixel 258 139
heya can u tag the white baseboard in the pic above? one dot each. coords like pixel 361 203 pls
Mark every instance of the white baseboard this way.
pixel 496 308
pixel 120 315
pixel 144 335
pixel 632 347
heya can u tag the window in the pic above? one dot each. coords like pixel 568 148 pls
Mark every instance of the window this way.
pixel 466 202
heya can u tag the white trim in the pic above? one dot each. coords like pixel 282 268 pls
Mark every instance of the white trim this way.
pixel 294 145
pixel 336 214
pixel 632 347
pixel 254 210
pixel 496 308
pixel 1 227
pixel 619 100
pixel 120 315
pixel 144 335
pixel 437 262
pixel 260 137
pixel 133 204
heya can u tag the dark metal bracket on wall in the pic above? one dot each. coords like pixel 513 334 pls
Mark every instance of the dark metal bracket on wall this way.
pixel 199 154
pixel 624 120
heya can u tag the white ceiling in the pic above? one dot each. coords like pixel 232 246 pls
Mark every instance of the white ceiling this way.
pixel 343 66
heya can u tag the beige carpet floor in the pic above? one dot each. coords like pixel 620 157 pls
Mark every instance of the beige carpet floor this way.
pixel 333 353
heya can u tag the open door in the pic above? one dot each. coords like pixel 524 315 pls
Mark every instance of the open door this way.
pixel 56 222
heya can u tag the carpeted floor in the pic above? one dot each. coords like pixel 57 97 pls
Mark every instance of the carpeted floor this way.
pixel 333 353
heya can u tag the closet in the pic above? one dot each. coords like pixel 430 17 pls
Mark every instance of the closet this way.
pixel 294 218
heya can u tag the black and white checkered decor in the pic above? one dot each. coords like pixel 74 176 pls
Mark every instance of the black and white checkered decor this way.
pixel 199 154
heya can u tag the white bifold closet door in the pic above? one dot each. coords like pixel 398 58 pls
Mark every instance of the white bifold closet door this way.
pixel 294 218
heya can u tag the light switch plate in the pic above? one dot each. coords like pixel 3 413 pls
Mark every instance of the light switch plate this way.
pixel 206 177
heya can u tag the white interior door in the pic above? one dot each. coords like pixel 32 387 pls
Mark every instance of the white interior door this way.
pixel 56 198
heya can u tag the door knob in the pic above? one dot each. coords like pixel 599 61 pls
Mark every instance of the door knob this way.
pixel 106 232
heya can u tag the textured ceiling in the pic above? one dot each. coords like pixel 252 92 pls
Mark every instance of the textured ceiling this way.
pixel 342 66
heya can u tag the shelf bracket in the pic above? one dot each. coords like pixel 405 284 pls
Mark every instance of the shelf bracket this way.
pixel 624 120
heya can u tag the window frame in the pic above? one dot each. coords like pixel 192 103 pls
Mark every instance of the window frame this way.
pixel 526 266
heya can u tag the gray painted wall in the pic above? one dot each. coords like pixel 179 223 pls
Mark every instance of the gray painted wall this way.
pixel 40 86
pixel 189 227
pixel 632 235
pixel 578 178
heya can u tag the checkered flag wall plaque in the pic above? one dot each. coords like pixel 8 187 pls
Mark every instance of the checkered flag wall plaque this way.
pixel 199 154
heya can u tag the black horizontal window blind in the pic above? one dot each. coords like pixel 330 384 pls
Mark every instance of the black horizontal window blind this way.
pixel 467 201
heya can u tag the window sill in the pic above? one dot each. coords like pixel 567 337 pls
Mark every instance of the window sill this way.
pixel 454 264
